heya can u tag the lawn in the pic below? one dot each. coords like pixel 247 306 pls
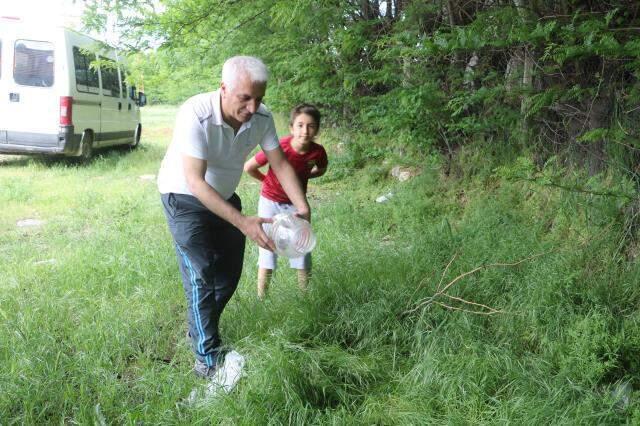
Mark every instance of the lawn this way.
pixel 454 302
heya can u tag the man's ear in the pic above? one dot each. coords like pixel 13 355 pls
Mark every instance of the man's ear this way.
pixel 223 88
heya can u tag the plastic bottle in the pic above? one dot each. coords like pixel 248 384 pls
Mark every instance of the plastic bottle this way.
pixel 291 234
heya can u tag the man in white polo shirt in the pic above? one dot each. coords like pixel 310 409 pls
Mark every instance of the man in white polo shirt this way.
pixel 213 135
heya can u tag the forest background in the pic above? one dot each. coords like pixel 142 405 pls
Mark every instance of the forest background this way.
pixel 557 79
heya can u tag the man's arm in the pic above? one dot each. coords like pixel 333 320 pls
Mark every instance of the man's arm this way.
pixel 252 168
pixel 251 226
pixel 289 180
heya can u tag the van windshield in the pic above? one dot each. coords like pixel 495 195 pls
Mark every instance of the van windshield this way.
pixel 33 63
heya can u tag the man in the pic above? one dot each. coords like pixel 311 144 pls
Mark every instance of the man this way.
pixel 213 135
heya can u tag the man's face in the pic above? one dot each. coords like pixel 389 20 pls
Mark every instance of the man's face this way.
pixel 242 101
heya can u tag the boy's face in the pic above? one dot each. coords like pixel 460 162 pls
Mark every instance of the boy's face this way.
pixel 304 129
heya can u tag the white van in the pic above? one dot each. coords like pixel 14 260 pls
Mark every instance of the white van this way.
pixel 53 102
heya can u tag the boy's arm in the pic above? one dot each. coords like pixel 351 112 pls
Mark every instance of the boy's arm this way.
pixel 252 168
pixel 321 166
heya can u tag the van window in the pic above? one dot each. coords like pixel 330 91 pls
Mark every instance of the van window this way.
pixel 33 63
pixel 86 76
pixel 125 87
pixel 110 81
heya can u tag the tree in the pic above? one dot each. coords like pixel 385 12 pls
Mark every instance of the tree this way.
pixel 559 76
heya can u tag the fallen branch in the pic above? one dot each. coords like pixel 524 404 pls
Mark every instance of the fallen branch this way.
pixel 441 292
pixel 488 309
pixel 453 308
pixel 445 271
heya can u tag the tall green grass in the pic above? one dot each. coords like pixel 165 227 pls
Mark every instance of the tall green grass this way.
pixel 92 306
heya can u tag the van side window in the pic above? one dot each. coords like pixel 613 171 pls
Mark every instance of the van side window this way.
pixel 33 63
pixel 125 87
pixel 110 81
pixel 128 92
pixel 86 76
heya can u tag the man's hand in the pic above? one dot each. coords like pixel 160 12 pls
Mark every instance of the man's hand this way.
pixel 252 227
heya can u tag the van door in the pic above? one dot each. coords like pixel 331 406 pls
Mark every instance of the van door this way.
pixel 86 95
pixel 130 111
pixel 33 106
pixel 4 94
pixel 111 102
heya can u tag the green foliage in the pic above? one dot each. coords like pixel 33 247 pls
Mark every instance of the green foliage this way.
pixel 443 73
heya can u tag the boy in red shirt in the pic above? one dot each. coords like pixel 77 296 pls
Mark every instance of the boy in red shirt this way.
pixel 309 160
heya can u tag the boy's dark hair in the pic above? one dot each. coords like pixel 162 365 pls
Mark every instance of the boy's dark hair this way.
pixel 305 109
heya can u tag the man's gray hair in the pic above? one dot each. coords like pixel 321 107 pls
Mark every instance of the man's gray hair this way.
pixel 239 66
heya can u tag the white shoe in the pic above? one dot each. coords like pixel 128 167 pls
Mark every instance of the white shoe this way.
pixel 226 377
pixel 223 381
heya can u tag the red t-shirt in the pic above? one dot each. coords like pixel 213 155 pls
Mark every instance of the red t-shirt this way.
pixel 302 164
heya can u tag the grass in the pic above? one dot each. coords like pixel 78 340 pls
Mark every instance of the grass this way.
pixel 93 323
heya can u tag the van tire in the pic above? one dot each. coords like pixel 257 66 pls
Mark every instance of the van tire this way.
pixel 136 137
pixel 86 148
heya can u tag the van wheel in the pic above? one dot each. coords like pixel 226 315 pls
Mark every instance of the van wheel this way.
pixel 86 151
pixel 136 137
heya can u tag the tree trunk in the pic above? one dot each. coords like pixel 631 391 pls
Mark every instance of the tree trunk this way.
pixel 365 8
pixel 398 8
pixel 527 77
pixel 450 10
pixel 527 84
pixel 452 21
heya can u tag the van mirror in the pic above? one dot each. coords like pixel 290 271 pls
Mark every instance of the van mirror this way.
pixel 132 92
pixel 142 99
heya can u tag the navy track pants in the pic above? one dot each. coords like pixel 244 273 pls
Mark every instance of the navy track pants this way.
pixel 210 253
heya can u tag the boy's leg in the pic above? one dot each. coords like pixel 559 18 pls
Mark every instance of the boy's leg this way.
pixel 264 278
pixel 303 279
pixel 267 260
pixel 302 265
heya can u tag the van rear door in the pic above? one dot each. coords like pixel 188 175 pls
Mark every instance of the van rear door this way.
pixel 4 92
pixel 33 108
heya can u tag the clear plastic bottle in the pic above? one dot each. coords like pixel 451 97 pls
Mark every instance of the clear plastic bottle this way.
pixel 291 234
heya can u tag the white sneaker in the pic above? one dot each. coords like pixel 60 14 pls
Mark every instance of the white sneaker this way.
pixel 223 381
pixel 226 377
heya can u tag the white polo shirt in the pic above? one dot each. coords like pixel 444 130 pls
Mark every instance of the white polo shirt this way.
pixel 200 132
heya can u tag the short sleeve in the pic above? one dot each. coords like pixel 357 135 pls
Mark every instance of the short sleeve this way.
pixel 261 158
pixel 269 139
pixel 323 160
pixel 189 135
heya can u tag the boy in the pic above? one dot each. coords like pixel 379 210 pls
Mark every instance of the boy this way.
pixel 309 160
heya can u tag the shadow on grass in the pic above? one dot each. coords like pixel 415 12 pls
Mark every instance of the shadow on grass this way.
pixel 110 154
